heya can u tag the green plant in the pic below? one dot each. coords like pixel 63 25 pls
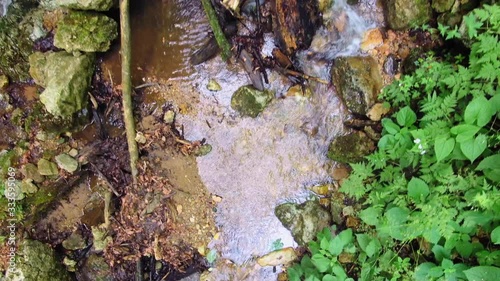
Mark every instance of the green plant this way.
pixel 434 179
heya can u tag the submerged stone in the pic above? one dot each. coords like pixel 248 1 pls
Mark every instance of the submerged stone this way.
pixel 279 257
pixel 303 220
pixel 249 101
pixel 86 32
pixel 404 14
pixel 96 5
pixel 66 78
pixel 47 168
pixel 37 261
pixel 213 85
pixel 350 148
pixel 66 162
pixel 358 81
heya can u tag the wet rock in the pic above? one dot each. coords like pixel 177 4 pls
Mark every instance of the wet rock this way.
pixel 350 148
pixel 47 168
pixel 336 206
pixel 392 65
pixel 95 269
pixel 371 39
pixel 202 150
pixel 358 81
pixel 74 242
pixel 409 64
pixel 66 78
pixel 303 220
pixel 66 162
pixel 70 264
pixel 296 22
pixel 450 19
pixel 442 6
pixel 249 101
pixel 324 4
pixel 169 117
pixel 213 85
pixel 101 238
pixel 15 42
pixel 37 261
pixel 30 171
pixel 403 14
pixel 96 5
pixel 377 111
pixel 85 31
pixel 279 257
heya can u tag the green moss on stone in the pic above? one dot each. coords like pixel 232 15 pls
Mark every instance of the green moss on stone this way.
pixel 350 148
pixel 403 14
pixel 249 101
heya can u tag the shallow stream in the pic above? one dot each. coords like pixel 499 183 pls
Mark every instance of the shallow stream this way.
pixel 256 163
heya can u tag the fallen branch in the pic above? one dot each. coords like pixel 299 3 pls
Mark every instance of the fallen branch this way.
pixel 216 28
pixel 128 115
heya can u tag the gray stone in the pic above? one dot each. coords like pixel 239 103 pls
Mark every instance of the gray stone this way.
pixel 66 78
pixel 74 242
pixel 86 32
pixel 350 148
pixel 95 269
pixel 96 5
pixel 303 220
pixel 37 262
pixel 404 14
pixel 47 168
pixel 30 171
pixel 442 6
pixel 66 162
pixel 358 81
pixel 249 101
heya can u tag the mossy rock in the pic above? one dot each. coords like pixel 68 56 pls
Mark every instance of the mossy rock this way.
pixel 303 220
pixel 350 148
pixel 96 5
pixel 404 14
pixel 66 79
pixel 86 32
pixel 15 40
pixel 442 6
pixel 249 101
pixel 358 81
pixel 37 262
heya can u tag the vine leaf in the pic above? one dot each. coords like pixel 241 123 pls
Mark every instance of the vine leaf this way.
pixel 473 148
pixel 443 146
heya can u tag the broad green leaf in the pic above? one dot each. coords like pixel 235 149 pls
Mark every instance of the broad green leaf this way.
pixel 324 243
pixel 293 273
pixel 443 146
pixel 345 236
pixel 391 127
pixel 432 235
pixel 464 248
pixel 495 235
pixel 335 247
pixel 417 189
pixel 490 162
pixel 339 271
pixel 436 272
pixel 329 277
pixel 363 240
pixel 493 175
pixel 473 148
pixel 373 247
pixel 495 103
pixel 406 117
pixel 320 262
pixel 370 215
pixel 464 132
pixel 482 273
pixel 478 111
pixel 422 271
pixel 440 253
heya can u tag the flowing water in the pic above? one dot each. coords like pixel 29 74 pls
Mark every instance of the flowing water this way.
pixel 255 163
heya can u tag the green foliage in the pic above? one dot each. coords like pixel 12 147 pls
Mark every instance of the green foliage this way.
pixel 434 178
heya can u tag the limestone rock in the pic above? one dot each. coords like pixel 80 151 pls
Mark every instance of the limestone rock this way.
pixel 278 257
pixel 96 5
pixel 371 39
pixel 47 168
pixel 303 220
pixel 403 14
pixel 249 101
pixel 350 148
pixel 66 79
pixel 66 162
pixel 358 81
pixel 37 261
pixel 86 32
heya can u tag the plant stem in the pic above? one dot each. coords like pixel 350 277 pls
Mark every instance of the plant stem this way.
pixel 216 28
pixel 128 115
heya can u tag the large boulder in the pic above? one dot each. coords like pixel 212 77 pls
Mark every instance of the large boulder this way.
pixel 350 148
pixel 249 101
pixel 403 14
pixel 303 220
pixel 85 31
pixel 96 5
pixel 442 6
pixel 66 78
pixel 37 262
pixel 358 81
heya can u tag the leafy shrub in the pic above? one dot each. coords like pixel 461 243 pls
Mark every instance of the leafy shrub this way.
pixel 434 180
